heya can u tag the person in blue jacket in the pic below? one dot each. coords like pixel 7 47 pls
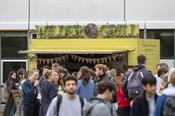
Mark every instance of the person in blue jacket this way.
pixel 85 84
pixel 168 92
pixel 29 94
pixel 48 91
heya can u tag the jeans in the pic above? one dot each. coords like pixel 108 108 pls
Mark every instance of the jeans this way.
pixel 13 110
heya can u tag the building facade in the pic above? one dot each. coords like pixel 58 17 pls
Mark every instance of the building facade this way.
pixel 18 18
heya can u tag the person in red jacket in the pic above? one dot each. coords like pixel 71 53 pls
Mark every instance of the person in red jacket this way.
pixel 123 103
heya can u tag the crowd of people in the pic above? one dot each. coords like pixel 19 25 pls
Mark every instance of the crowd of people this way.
pixel 95 92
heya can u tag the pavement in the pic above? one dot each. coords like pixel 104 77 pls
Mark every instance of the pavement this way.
pixel 2 106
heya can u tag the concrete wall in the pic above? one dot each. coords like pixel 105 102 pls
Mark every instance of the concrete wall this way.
pixel 150 10
pixel 13 14
pixel 154 13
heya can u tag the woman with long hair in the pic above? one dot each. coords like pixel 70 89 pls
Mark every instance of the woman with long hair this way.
pixel 85 84
pixel 10 83
pixel 48 90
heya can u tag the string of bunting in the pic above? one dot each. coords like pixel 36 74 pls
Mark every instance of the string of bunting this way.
pixel 49 60
pixel 97 60
pixel 78 58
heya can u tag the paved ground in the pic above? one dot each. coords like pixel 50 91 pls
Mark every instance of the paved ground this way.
pixel 1 108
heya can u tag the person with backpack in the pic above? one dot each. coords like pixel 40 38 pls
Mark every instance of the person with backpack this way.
pixel 101 105
pixel 101 74
pixel 132 85
pixel 144 105
pixel 48 91
pixel 68 104
pixel 85 84
pixel 10 84
pixel 165 105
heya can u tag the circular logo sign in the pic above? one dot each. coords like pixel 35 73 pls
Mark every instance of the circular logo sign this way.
pixel 91 30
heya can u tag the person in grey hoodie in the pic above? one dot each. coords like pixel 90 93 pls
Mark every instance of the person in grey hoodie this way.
pixel 101 105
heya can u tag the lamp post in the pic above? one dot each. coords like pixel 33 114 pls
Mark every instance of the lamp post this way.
pixel 28 30
pixel 124 10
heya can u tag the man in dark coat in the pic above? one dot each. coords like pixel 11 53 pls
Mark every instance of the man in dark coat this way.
pixel 29 94
pixel 145 105
pixel 141 59
pixel 100 71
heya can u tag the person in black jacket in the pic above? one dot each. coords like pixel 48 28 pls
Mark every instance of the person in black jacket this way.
pixel 11 86
pixel 141 59
pixel 100 71
pixel 145 105
pixel 11 81
pixel 48 91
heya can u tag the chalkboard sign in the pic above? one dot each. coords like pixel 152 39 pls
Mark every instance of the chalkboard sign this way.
pixel 14 97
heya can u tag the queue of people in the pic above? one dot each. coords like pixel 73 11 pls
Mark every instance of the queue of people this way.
pixel 95 92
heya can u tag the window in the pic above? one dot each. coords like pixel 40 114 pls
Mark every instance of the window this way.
pixel 141 33
pixel 166 37
pixel 11 43
pixel 8 66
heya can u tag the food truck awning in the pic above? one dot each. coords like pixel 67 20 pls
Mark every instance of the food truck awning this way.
pixel 72 52
pixel 77 46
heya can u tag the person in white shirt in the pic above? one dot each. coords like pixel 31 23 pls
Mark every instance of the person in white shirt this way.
pixel 161 78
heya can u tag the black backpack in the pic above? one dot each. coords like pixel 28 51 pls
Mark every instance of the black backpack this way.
pixel 169 107
pixel 59 99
